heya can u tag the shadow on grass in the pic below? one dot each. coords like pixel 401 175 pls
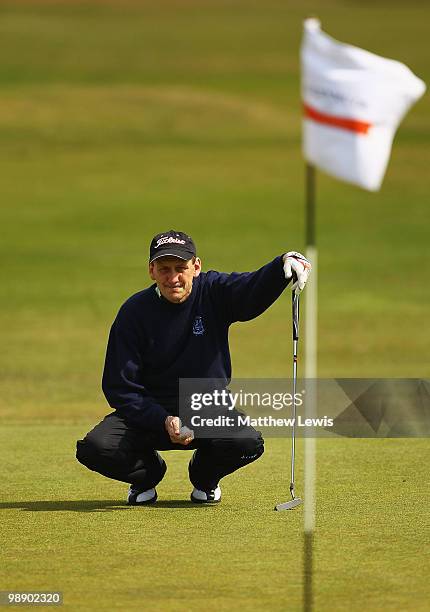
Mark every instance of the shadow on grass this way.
pixel 79 505
pixel 87 505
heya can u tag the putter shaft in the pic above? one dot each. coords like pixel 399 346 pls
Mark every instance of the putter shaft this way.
pixel 295 501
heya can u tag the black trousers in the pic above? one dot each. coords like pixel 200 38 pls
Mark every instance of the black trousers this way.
pixel 120 450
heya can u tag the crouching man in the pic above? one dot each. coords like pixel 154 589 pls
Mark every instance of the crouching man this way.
pixel 177 328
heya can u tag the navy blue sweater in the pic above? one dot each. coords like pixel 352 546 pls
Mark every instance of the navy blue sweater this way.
pixel 154 342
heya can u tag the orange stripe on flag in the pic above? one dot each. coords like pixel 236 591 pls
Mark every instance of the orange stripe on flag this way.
pixel 360 127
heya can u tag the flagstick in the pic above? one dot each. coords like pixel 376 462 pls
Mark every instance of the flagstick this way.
pixel 310 404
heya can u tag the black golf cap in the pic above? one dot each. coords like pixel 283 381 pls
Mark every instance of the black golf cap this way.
pixel 175 244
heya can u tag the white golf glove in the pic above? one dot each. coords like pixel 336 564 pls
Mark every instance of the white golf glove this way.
pixel 297 264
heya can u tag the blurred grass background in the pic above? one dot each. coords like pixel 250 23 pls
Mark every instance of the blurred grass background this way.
pixel 119 120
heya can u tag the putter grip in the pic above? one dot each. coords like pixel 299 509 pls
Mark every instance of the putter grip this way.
pixel 295 316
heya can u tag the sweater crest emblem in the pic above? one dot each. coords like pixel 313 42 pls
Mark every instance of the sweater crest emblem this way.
pixel 198 327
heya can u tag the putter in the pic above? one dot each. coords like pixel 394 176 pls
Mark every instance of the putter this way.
pixel 295 501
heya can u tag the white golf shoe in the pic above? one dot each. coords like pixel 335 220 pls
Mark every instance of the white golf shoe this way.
pixel 139 497
pixel 213 496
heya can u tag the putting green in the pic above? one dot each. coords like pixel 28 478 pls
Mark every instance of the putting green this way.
pixel 118 120
pixel 69 529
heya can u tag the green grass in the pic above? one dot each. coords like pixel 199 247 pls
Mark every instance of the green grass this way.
pixel 69 529
pixel 118 120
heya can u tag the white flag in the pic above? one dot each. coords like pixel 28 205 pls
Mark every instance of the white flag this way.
pixel 353 102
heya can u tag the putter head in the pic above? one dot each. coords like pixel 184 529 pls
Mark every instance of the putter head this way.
pixel 289 505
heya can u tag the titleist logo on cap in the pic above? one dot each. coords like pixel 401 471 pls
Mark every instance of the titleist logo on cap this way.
pixel 173 244
pixel 169 240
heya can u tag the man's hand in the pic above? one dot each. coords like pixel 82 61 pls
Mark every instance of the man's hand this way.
pixel 178 434
pixel 297 264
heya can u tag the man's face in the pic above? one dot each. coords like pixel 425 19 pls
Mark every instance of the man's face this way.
pixel 174 276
